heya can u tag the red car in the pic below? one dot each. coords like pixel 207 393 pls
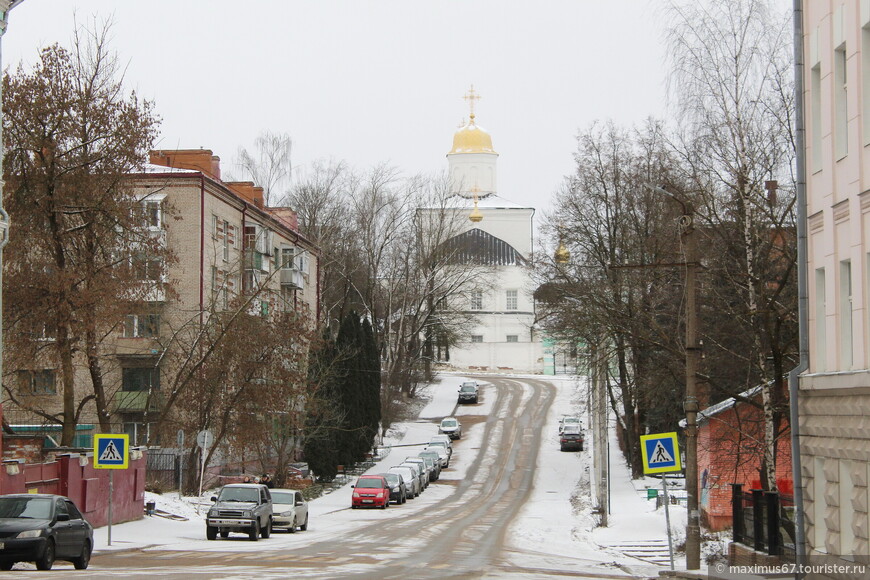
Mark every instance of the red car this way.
pixel 370 491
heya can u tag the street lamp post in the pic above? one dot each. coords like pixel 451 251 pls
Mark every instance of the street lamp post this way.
pixel 691 406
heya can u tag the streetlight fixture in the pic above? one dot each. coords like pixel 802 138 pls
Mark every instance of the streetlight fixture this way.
pixel 693 355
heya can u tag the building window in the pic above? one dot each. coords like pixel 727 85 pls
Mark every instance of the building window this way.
pixel 513 338
pixel 841 112
pixel 511 299
pixel 147 268
pixel 476 338
pixel 41 382
pixel 845 316
pixel 150 214
pixel 226 241
pixel 477 300
pixel 140 378
pixel 141 326
pixel 865 75
pixel 287 258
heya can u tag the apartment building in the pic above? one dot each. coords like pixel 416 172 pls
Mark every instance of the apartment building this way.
pixel 226 246
pixel 834 396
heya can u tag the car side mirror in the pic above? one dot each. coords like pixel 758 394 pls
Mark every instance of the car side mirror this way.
pixel 63 517
pixel 299 503
pixel 214 498
pixel 352 486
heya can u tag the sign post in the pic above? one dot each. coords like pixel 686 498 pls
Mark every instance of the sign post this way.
pixel 111 452
pixel 661 454
pixel 204 439
pixel 180 440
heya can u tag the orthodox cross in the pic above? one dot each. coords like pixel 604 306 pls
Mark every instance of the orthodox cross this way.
pixel 471 96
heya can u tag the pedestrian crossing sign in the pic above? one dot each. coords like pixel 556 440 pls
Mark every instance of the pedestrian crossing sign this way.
pixel 111 451
pixel 661 453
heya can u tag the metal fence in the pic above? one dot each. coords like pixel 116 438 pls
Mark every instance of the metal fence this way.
pixel 764 521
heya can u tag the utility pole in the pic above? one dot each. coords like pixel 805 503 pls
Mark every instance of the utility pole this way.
pixel 688 236
pixel 599 429
pixel 693 354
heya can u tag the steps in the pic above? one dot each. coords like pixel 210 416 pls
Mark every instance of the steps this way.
pixel 653 551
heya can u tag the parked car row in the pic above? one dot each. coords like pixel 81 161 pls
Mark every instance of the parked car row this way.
pixel 404 481
pixel 255 510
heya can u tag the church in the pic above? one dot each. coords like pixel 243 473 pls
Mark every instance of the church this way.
pixel 504 337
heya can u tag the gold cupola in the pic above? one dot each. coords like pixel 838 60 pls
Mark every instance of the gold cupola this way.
pixel 472 139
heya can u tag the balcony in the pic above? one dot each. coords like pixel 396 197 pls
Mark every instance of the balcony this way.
pixel 135 401
pixel 292 278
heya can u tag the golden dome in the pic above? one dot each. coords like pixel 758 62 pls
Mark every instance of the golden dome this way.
pixel 471 139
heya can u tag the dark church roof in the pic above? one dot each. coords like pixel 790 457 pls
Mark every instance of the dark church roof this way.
pixel 478 247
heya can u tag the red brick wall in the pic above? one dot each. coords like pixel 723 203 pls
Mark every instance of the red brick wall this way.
pixel 730 449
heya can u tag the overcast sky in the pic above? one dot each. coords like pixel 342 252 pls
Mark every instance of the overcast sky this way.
pixel 370 81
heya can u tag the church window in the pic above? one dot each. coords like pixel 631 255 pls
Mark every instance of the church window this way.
pixel 511 299
pixel 477 300
pixel 476 338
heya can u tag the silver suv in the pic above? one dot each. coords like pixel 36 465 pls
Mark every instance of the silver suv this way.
pixel 240 507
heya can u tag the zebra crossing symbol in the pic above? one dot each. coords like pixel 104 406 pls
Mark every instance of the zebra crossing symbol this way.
pixel 111 451
pixel 661 453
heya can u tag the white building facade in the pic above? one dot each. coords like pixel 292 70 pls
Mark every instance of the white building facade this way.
pixel 834 396
pixel 504 337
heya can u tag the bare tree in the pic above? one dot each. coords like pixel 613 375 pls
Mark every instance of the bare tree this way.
pixel 269 165
pixel 732 79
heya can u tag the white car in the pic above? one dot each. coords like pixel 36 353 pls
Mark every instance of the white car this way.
pixel 451 427
pixel 419 472
pixel 412 482
pixel 443 439
pixel 289 510
pixel 427 468
pixel 439 447
pixel 568 420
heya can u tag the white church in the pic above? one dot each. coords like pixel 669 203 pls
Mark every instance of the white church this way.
pixel 505 337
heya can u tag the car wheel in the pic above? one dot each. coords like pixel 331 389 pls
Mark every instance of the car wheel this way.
pixel 211 532
pixel 386 505
pixel 254 532
pixel 6 565
pixel 292 528
pixel 304 526
pixel 225 533
pixel 47 560
pixel 353 507
pixel 267 531
pixel 81 563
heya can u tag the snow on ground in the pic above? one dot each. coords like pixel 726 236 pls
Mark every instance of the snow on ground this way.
pixel 555 526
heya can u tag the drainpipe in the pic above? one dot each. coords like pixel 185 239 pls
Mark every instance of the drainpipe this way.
pixel 803 320
pixel 201 247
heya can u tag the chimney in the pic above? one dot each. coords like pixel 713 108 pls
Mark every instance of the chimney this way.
pixel 202 160
pixel 286 216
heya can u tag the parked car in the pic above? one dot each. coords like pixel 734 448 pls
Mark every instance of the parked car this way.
pixel 571 438
pixel 433 460
pixel 412 483
pixel 569 420
pixel 245 508
pixel 451 427
pixel 42 528
pixel 442 450
pixel 468 392
pixel 289 510
pixel 398 491
pixel 426 467
pixel 370 491
pixel 419 472
pixel 444 439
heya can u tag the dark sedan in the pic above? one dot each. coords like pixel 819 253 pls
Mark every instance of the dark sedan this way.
pixel 42 528
pixel 398 491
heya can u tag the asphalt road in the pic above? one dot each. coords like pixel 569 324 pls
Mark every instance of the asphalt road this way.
pixel 461 536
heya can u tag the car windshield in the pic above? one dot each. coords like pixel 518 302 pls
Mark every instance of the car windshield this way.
pixel 571 421
pixel 239 494
pixel 283 497
pixel 392 478
pixel 437 444
pixel 369 483
pixel 448 423
pixel 38 508
pixel 572 430
pixel 468 388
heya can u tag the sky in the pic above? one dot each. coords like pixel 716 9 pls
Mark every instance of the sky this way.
pixel 372 82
